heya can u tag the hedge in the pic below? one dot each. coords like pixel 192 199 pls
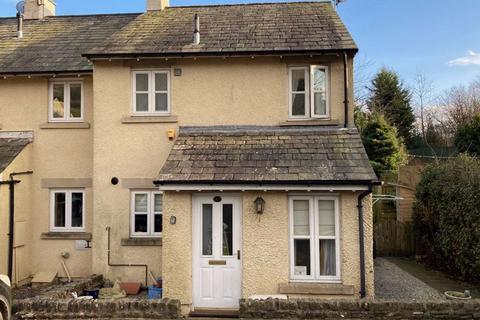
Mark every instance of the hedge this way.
pixel 447 216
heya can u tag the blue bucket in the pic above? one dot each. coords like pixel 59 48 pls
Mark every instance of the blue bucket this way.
pixel 154 292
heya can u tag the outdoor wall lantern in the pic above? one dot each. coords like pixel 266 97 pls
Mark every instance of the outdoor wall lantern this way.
pixel 259 205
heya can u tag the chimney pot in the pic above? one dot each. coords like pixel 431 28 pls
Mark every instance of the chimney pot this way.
pixel 39 9
pixel 196 30
pixel 156 5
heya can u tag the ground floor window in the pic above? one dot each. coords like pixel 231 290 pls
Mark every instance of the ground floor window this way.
pixel 67 210
pixel 314 238
pixel 146 214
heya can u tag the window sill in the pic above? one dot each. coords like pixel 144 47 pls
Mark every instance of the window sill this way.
pixel 316 288
pixel 66 236
pixel 142 242
pixel 65 125
pixel 311 122
pixel 150 119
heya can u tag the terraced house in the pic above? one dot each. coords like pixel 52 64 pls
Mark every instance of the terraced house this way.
pixel 213 145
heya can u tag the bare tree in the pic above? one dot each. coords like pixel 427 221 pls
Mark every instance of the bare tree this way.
pixel 363 76
pixel 423 95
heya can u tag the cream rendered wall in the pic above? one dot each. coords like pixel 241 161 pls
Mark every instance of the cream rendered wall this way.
pixel 232 91
pixel 55 153
pixel 265 245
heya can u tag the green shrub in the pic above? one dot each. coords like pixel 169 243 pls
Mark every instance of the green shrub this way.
pixel 447 216
pixel 468 137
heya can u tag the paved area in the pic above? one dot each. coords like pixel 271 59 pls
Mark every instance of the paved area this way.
pixel 393 283
pixel 435 279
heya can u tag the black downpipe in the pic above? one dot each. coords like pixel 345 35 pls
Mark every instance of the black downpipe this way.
pixel 361 233
pixel 345 86
pixel 11 223
pixel 123 264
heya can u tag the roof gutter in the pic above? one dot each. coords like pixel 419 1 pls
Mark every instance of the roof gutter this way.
pixel 4 75
pixel 266 183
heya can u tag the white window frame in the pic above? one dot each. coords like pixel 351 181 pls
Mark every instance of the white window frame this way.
pixel 151 92
pixel 309 96
pixel 314 240
pixel 150 214
pixel 68 210
pixel 66 92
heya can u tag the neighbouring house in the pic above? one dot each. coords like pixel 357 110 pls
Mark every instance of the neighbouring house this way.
pixel 212 145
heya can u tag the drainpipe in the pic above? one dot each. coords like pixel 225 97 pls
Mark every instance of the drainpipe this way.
pixel 345 86
pixel 123 264
pixel 361 233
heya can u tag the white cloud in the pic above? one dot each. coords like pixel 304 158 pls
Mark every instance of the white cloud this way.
pixel 471 58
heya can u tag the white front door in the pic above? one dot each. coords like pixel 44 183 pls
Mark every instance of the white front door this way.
pixel 217 241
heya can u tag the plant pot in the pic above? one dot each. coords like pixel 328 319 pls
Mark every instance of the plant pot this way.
pixel 131 288
pixel 455 295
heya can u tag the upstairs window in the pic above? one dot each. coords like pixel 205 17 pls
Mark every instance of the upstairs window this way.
pixel 151 92
pixel 308 96
pixel 66 101
pixel 147 214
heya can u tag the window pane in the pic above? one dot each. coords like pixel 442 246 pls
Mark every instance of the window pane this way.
pixel 142 102
pixel 161 83
pixel 158 202
pixel 301 223
pixel 158 223
pixel 141 223
pixel 77 209
pixel 302 257
pixel 298 80
pixel 298 104
pixel 327 258
pixel 161 102
pixel 319 80
pixel 326 219
pixel 75 101
pixel 141 82
pixel 227 235
pixel 141 202
pixel 320 103
pixel 59 218
pixel 207 226
pixel 58 101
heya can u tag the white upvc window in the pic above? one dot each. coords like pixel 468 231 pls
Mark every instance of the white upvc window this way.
pixel 314 238
pixel 309 92
pixel 67 210
pixel 146 214
pixel 66 101
pixel 151 92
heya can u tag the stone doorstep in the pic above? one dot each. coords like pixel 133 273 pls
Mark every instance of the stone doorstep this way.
pixel 316 288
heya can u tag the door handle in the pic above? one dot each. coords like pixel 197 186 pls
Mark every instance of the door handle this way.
pixel 238 254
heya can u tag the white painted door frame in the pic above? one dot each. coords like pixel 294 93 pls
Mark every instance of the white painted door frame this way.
pixel 217 276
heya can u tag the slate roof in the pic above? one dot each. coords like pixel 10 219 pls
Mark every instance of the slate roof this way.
pixel 57 44
pixel 311 155
pixel 236 29
pixel 11 144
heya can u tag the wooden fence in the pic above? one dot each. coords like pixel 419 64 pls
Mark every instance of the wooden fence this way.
pixel 393 238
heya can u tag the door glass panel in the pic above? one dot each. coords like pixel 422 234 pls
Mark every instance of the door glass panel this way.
pixel 60 209
pixel 227 232
pixel 75 101
pixel 141 223
pixel 77 209
pixel 58 101
pixel 302 257
pixel 326 219
pixel 141 202
pixel 301 223
pixel 207 228
pixel 327 258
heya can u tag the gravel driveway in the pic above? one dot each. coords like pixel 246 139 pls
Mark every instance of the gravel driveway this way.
pixel 392 283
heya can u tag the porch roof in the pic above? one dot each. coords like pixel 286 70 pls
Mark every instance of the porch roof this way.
pixel 11 144
pixel 267 155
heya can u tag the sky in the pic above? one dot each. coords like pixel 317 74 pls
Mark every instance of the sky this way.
pixel 438 38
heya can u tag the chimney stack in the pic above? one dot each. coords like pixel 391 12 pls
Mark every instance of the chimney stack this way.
pixel 196 30
pixel 39 9
pixel 156 5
